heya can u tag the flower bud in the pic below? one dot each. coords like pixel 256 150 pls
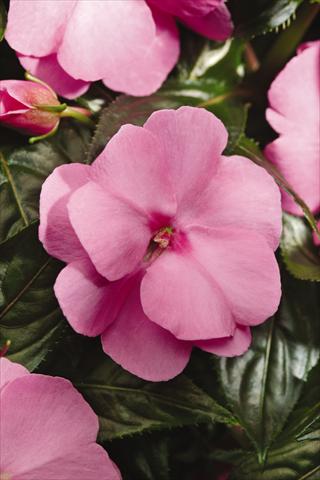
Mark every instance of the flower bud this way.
pixel 32 108
pixel 23 107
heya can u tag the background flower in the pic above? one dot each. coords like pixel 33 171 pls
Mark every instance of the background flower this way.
pixel 48 430
pixel 129 56
pixel 169 244
pixel 294 113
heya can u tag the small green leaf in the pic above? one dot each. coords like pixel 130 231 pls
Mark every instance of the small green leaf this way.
pixel 127 405
pixel 24 169
pixel 264 384
pixel 29 313
pixel 3 20
pixel 301 256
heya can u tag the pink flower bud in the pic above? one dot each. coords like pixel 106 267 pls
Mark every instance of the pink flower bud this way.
pixel 29 107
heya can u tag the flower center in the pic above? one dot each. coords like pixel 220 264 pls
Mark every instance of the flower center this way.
pixel 162 238
pixel 158 243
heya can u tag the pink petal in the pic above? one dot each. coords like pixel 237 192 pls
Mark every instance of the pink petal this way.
pixel 89 301
pixel 55 231
pixel 42 418
pixel 10 370
pixel 134 167
pixel 183 297
pixel 36 28
pixel 287 97
pixel 232 346
pixel 245 268
pixel 133 57
pixel 8 104
pixel 113 232
pixel 86 463
pixel 241 195
pixel 29 94
pixel 192 139
pixel 49 70
pixel 216 25
pixel 297 157
pixel 142 347
pixel 296 117
pixel 180 8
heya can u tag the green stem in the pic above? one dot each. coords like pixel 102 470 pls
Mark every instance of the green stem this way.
pixel 287 42
pixel 7 172
pixel 52 108
pixel 76 114
pixel 46 135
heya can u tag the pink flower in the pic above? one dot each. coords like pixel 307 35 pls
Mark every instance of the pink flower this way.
pixel 20 107
pixel 48 430
pixel 294 99
pixel 135 56
pixel 169 244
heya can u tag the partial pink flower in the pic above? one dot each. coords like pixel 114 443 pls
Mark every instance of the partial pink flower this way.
pixel 21 105
pixel 169 244
pixel 294 99
pixel 47 430
pixel 51 39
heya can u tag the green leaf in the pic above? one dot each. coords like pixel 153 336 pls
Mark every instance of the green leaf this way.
pixel 264 384
pixel 264 16
pixel 24 169
pixel 247 147
pixel 295 460
pixel 29 313
pixel 3 19
pixel 207 82
pixel 127 405
pixel 144 457
pixel 294 455
pixel 301 256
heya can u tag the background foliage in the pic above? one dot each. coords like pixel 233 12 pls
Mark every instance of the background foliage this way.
pixel 259 413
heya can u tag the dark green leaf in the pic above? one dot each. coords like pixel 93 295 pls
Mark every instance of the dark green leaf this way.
pixel 24 169
pixel 29 313
pixel 127 405
pixel 296 460
pixel 143 457
pixel 3 19
pixel 295 452
pixel 301 256
pixel 263 385
pixel 264 16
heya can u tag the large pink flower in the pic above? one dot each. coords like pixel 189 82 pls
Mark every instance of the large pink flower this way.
pixel 47 430
pixel 294 113
pixel 168 243
pixel 130 45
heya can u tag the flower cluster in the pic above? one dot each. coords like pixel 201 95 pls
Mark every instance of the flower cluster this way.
pixel 137 55
pixel 168 244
